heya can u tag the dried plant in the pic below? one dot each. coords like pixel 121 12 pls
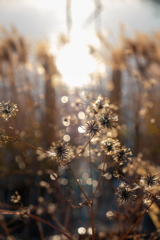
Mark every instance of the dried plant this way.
pixel 67 156
pixel 75 185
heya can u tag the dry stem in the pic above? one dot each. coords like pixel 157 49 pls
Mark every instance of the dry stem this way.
pixel 124 237
pixel 36 218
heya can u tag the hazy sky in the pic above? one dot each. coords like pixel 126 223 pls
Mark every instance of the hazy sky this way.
pixel 48 17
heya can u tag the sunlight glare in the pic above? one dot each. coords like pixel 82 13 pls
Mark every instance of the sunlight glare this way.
pixel 75 64
pixel 74 60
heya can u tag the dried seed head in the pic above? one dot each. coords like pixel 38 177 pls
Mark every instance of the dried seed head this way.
pixel 99 105
pixel 110 145
pixel 60 151
pixel 124 193
pixel 92 127
pixel 150 181
pixel 7 110
pixel 121 155
pixel 108 120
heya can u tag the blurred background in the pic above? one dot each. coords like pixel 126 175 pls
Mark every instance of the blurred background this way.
pixel 54 55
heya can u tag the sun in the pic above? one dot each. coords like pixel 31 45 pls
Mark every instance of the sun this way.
pixel 75 63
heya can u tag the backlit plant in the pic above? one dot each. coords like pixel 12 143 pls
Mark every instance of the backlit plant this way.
pixel 114 157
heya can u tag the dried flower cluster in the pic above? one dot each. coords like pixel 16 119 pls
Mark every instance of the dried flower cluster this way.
pixel 98 123
pixel 99 117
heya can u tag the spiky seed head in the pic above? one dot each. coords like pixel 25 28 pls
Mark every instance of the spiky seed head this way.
pixel 98 106
pixel 124 193
pixel 121 155
pixel 60 151
pixel 7 110
pixel 150 181
pixel 92 127
pixel 108 120
pixel 109 145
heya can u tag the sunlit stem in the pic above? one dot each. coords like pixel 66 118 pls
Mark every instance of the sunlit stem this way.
pixel 13 128
pixel 90 167
pixel 104 170
pixel 82 149
pixel 39 149
pixel 78 183
pixel 92 215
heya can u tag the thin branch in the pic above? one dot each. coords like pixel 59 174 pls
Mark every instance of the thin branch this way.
pixel 59 224
pixel 82 149
pixel 67 214
pixel 124 178
pixel 36 218
pixel 78 183
pixel 39 149
pixel 13 128
pixel 92 221
pixel 41 230
pixel 110 166
pixel 3 225
pixel 90 163
pixel 124 237
pixel 105 159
